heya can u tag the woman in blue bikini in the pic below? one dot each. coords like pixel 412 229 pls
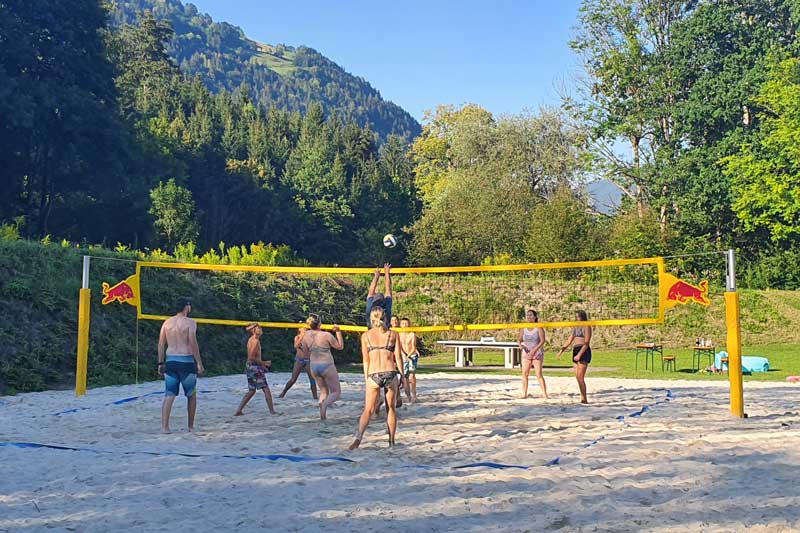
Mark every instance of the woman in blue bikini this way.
pixel 301 363
pixel 380 353
pixel 316 346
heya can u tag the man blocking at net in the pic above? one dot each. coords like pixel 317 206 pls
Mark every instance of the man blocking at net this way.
pixel 381 300
pixel 178 342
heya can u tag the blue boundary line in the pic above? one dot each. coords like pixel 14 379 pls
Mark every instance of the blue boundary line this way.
pixel 268 457
pixel 121 402
pixel 299 458
pixel 636 414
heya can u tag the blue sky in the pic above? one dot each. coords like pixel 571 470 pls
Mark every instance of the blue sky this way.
pixel 506 56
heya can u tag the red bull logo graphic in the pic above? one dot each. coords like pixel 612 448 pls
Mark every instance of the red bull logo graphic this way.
pixel 126 291
pixel 675 291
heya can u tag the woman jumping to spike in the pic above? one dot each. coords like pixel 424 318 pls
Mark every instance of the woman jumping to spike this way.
pixel 301 363
pixel 316 345
pixel 581 351
pixel 531 342
pixel 380 353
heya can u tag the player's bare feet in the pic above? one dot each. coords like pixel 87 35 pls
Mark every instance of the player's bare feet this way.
pixel 238 413
pixel 355 444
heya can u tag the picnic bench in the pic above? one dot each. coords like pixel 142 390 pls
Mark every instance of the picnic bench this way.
pixel 464 349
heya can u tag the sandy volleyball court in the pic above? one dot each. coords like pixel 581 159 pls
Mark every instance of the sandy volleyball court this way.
pixel 646 455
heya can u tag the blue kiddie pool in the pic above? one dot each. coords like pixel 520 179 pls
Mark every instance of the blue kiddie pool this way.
pixel 750 363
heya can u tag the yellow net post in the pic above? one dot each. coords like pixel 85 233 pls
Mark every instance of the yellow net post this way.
pixel 734 342
pixel 84 307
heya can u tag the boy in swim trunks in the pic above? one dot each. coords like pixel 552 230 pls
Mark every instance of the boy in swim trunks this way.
pixel 179 362
pixel 256 370
pixel 408 348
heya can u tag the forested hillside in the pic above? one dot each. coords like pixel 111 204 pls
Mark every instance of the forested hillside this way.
pixel 104 141
pixel 289 78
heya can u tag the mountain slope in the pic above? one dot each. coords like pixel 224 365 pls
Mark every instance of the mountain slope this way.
pixel 286 77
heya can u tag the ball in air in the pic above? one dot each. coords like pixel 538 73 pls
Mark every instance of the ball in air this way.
pixel 389 241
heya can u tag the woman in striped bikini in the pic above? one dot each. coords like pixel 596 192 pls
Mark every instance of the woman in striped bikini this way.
pixel 531 342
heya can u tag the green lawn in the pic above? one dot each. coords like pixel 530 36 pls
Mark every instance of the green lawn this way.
pixel 784 360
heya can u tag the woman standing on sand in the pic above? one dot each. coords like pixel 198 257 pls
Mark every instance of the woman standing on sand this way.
pixel 380 354
pixel 316 346
pixel 531 342
pixel 581 351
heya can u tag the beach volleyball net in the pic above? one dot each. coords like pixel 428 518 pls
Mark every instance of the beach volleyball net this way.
pixel 612 292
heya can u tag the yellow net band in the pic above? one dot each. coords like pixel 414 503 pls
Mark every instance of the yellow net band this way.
pixel 460 298
pixel 422 329
pixel 403 270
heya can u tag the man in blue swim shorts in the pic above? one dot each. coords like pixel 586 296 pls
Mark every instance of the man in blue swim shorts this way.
pixel 179 361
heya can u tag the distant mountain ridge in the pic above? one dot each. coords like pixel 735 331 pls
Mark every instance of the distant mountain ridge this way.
pixel 286 77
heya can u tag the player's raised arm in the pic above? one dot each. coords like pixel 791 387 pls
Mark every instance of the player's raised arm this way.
pixel 387 280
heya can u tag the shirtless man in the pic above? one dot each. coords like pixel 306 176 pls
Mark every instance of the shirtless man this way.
pixel 256 370
pixel 178 343
pixel 408 348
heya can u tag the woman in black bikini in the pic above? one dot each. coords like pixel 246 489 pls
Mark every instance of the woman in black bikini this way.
pixel 380 353
pixel 581 351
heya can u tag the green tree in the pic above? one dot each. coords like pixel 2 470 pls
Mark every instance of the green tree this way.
pixel 563 229
pixel 173 209
pixel 720 55
pixel 634 234
pixel 481 178
pixel 766 172
pixel 629 96
pixel 59 137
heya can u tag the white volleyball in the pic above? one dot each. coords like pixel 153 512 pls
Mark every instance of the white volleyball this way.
pixel 390 241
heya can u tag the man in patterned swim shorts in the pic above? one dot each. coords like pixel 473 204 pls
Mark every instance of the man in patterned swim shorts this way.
pixel 256 370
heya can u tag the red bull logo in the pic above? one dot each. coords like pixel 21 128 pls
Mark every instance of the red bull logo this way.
pixel 683 292
pixel 675 291
pixel 126 291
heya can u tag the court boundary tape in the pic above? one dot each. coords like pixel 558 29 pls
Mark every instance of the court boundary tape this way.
pixel 621 418
pixel 122 402
pixel 268 457
pixel 669 396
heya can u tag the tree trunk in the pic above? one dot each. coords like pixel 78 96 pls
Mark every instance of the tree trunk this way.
pixel 635 140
